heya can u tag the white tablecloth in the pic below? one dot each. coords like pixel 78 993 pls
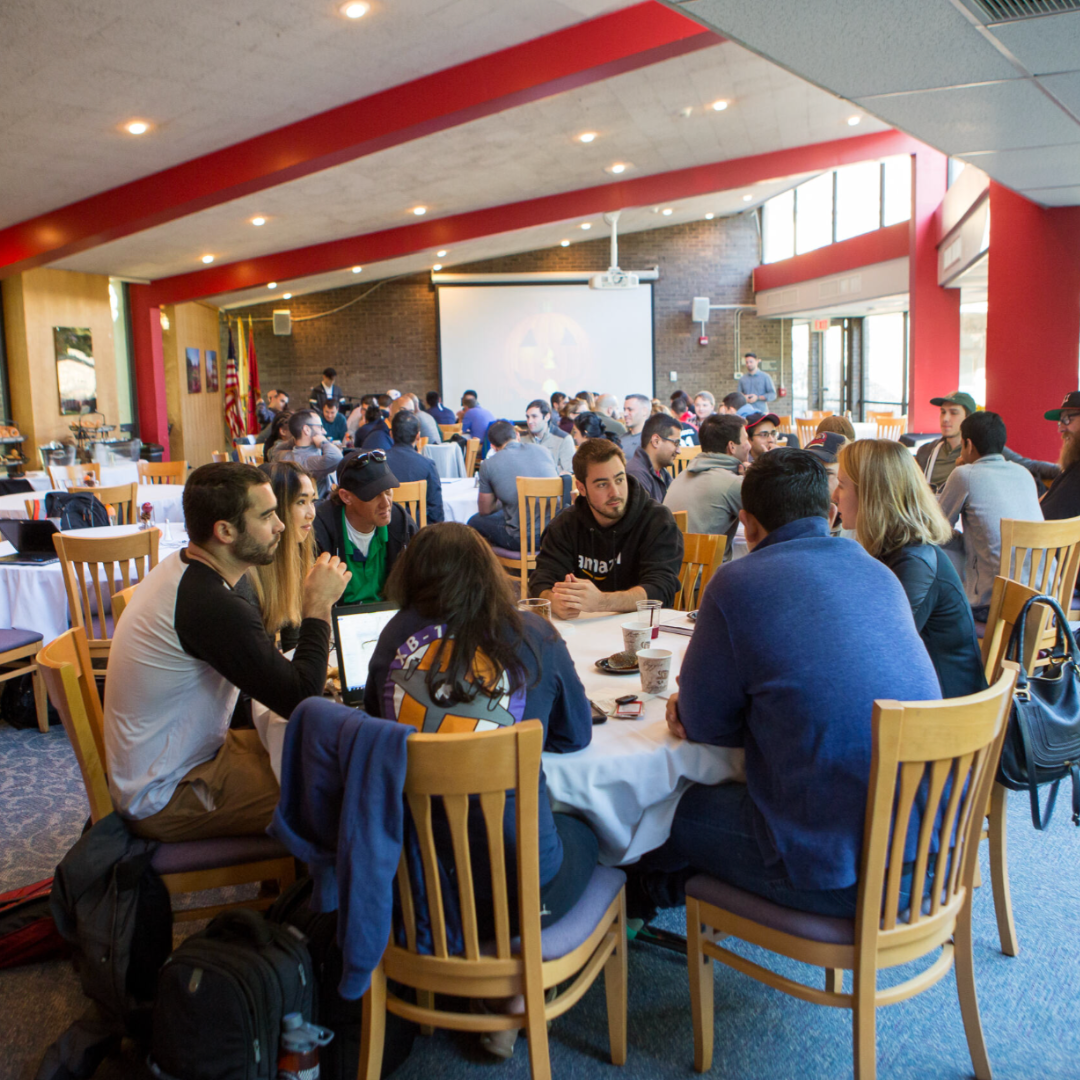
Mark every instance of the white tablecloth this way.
pixel 165 498
pixel 448 458
pixel 110 475
pixel 34 597
pixel 460 499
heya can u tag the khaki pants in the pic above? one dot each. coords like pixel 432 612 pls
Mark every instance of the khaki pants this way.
pixel 233 794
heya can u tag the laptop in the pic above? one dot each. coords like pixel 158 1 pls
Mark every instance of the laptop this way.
pixel 356 632
pixel 32 541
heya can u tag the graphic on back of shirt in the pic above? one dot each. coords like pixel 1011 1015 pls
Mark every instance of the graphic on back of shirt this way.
pixel 408 700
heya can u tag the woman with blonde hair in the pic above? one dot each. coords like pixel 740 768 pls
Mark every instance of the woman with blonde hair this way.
pixel 882 494
pixel 279 587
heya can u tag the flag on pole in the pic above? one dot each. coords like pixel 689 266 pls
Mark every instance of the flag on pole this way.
pixel 242 373
pixel 254 390
pixel 232 392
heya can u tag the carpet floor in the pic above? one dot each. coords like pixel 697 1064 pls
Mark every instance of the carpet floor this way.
pixel 1030 1003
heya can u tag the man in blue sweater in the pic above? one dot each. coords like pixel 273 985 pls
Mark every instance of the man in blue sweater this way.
pixel 801 706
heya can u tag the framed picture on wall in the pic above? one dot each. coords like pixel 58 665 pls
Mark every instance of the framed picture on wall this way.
pixel 194 380
pixel 76 375
pixel 211 371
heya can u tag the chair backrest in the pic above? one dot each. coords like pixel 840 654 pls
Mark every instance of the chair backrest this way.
pixel 787 426
pixel 539 500
pixel 60 476
pixel 123 498
pixel 446 430
pixel 806 430
pixel 486 765
pixel 683 458
pixel 873 416
pixel 682 519
pixel 423 443
pixel 891 427
pixel 251 454
pixel 120 601
pixel 65 667
pixel 944 755
pixel 412 494
pixel 471 454
pixel 818 415
pixel 1006 602
pixel 86 560
pixel 702 555
pixel 1042 554
pixel 164 472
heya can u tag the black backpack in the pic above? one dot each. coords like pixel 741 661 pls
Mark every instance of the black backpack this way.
pixel 341 1059
pixel 221 997
pixel 76 510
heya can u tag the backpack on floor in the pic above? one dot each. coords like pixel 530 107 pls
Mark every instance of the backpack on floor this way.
pixel 221 997
pixel 28 933
pixel 341 1059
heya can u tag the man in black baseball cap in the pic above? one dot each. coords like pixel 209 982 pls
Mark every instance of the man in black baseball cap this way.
pixel 1063 498
pixel 363 526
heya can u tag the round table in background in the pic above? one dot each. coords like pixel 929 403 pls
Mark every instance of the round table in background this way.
pixel 166 499
pixel 460 499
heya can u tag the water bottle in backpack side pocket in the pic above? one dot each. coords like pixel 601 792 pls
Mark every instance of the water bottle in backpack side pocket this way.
pixel 298 1054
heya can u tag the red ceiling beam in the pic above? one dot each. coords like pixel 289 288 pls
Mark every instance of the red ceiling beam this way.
pixel 443 232
pixel 589 52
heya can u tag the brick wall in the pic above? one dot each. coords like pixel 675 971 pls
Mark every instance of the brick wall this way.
pixel 390 338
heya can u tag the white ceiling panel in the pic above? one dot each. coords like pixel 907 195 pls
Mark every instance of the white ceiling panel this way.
pixel 995 116
pixel 1066 88
pixel 1044 45
pixel 861 47
pixel 1023 170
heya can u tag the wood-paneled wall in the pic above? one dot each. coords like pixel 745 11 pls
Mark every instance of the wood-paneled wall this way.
pixel 196 421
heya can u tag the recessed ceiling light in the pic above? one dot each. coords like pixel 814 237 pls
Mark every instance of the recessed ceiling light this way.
pixel 286 296
pixel 667 211
pixel 747 198
pixel 208 259
pixel 136 127
pixel 564 243
pixel 587 136
pixel 258 221
pixel 271 285
pixel 419 211
pixel 437 266
pixel 709 217
pixel 357 269
pixel 442 254
pixel 356 9
pixel 719 106
pixel 853 120
pixel 586 224
pixel 617 168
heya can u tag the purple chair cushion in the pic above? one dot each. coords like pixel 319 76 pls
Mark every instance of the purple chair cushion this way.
pixel 980 630
pixel 802 924
pixel 17 639
pixel 506 553
pixel 580 921
pixel 186 855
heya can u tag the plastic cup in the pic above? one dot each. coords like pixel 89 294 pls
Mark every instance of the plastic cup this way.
pixel 648 611
pixel 635 636
pixel 537 607
pixel 655 666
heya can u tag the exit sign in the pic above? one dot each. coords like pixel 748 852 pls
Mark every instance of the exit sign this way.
pixel 821 325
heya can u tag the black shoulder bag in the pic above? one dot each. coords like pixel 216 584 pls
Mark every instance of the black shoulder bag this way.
pixel 1042 745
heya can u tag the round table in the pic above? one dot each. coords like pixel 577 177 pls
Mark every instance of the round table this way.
pixel 448 458
pixel 128 473
pixel 166 499
pixel 460 499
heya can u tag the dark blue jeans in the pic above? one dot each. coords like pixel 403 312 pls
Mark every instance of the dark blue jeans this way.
pixel 492 527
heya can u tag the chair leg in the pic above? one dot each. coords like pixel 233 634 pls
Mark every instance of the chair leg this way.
pixel 864 1024
pixel 999 872
pixel 834 980
pixel 615 981
pixel 701 988
pixel 373 1027
pixel 426 1000
pixel 41 700
pixel 964 962
pixel 536 1026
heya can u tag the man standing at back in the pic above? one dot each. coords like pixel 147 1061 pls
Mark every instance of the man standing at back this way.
pixel 326 390
pixel 756 385
pixel 659 445
pixel 983 488
pixel 188 644
pixel 636 410
pixel 557 443
pixel 497 520
pixel 310 449
pixel 475 419
pixel 801 707
pixel 408 464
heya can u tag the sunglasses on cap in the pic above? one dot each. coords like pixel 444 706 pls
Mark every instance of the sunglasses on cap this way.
pixel 358 461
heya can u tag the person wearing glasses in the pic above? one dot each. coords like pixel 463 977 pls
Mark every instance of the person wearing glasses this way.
pixel 363 526
pixel 659 445
pixel 763 430
pixel 1063 498
pixel 310 449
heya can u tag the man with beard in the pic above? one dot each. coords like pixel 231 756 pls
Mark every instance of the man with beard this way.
pixel 613 547
pixel 1063 498
pixel 187 646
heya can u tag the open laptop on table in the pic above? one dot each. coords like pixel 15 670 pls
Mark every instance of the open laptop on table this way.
pixel 356 632
pixel 32 541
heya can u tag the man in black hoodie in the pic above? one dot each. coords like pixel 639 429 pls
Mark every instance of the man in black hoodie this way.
pixel 613 547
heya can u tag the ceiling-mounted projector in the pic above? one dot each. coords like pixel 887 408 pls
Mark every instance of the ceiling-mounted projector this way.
pixel 613 277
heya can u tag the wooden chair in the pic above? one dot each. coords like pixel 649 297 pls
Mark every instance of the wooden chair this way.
pixel 683 458
pixel 539 500
pixel 187 867
pixel 423 444
pixel 219 456
pixel 18 656
pixel 786 426
pixel 471 454
pixel 702 555
pixel 806 430
pixel 123 497
pixel 682 518
pixel 891 427
pixel 120 600
pixel 486 765
pixel 446 430
pixel 1006 602
pixel 60 476
pixel 85 560
pixel 251 454
pixel 412 494
pixel 872 417
pixel 1044 555
pixel 817 416
pixel 163 472
pixel 918 747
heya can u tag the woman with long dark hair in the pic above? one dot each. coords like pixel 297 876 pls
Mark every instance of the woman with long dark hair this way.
pixel 587 425
pixel 279 429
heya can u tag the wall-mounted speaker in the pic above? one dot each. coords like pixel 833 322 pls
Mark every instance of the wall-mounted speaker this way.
pixel 283 323
pixel 699 309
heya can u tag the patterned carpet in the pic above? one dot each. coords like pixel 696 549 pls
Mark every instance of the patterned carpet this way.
pixel 1030 1004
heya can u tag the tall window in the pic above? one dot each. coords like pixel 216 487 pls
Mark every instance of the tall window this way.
pixel 858 199
pixel 885 367
pixel 896 205
pixel 800 368
pixel 124 388
pixel 813 214
pixel 778 227
pixel 832 369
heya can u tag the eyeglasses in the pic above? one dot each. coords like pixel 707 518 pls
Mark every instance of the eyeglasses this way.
pixel 770 434
pixel 1065 419
pixel 674 442
pixel 358 461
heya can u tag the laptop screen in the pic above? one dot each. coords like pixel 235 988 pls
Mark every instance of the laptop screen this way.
pixel 356 632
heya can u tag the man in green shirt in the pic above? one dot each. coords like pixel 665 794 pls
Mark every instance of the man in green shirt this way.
pixel 362 525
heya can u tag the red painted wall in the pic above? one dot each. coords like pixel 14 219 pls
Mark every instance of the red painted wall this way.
pixel 149 363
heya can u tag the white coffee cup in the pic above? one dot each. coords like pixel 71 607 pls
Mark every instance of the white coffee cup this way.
pixel 655 666
pixel 635 636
